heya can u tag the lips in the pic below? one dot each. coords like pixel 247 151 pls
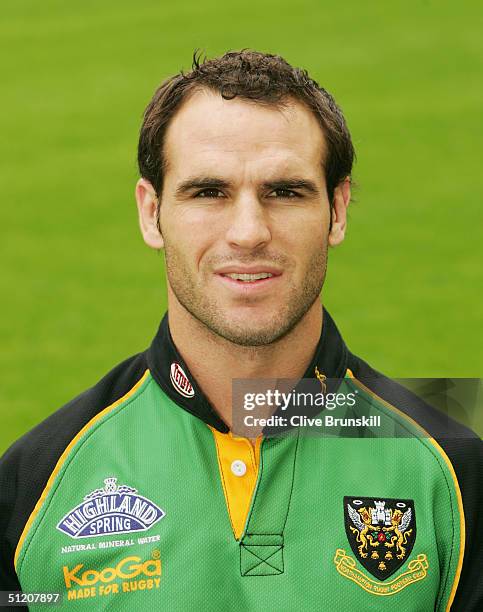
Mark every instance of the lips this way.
pixel 254 269
pixel 248 278
pixel 254 283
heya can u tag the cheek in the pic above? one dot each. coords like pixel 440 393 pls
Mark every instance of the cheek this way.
pixel 303 241
pixel 310 254
pixel 188 241
pixel 310 224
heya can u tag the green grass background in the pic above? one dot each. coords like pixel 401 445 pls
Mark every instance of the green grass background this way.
pixel 80 291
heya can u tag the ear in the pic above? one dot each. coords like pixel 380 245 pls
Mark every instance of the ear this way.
pixel 147 202
pixel 342 196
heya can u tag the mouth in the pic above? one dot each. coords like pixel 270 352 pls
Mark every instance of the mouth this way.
pixel 248 279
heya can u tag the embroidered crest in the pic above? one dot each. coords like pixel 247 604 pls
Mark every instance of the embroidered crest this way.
pixel 381 532
pixel 112 509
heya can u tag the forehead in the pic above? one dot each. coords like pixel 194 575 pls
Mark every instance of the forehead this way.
pixel 209 132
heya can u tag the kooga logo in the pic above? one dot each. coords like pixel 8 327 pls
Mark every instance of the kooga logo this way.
pixel 180 381
pixel 129 567
pixel 112 509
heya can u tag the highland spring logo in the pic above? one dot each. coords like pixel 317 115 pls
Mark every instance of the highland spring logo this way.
pixel 113 509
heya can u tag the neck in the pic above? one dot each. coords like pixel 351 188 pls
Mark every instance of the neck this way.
pixel 208 355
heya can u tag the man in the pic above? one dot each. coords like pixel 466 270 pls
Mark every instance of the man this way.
pixel 139 494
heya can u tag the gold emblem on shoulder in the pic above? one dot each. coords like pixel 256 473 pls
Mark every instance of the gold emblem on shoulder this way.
pixel 321 378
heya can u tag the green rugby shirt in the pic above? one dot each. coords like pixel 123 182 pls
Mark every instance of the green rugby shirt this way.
pixel 135 496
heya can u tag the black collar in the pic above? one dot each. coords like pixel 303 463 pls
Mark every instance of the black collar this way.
pixel 173 376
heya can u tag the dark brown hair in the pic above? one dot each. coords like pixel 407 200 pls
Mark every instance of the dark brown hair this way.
pixel 251 75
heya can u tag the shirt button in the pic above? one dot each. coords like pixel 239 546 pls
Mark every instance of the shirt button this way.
pixel 238 467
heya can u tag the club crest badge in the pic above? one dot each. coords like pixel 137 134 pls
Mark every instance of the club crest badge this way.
pixel 110 510
pixel 381 532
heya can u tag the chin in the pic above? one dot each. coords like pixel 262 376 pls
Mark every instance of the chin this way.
pixel 249 333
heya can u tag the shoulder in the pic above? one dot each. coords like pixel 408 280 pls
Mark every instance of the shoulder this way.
pixel 27 465
pixel 436 423
pixel 48 439
pixel 461 448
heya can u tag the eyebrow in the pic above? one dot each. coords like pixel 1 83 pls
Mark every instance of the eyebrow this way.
pixel 292 183
pixel 202 182
pixel 211 182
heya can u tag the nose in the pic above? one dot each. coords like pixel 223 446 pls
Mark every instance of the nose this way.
pixel 249 224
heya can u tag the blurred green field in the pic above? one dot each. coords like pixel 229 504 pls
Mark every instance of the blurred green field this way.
pixel 80 291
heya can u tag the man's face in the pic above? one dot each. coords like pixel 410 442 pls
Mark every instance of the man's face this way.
pixel 244 215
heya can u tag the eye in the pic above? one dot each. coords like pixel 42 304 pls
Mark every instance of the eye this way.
pixel 209 193
pixel 284 193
